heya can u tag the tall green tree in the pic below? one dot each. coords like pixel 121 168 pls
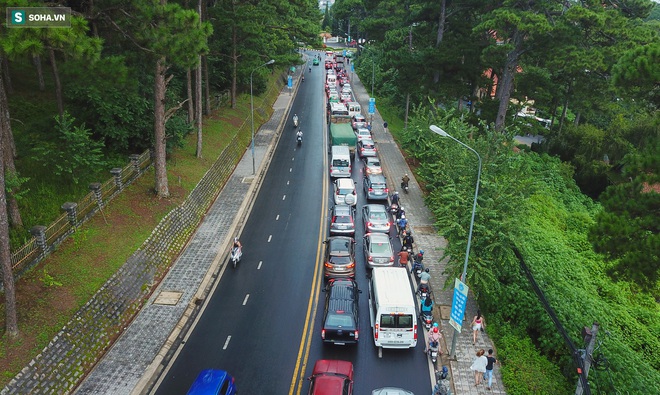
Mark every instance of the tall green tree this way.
pixel 627 230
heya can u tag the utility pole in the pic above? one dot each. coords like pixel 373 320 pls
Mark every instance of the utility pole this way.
pixel 589 337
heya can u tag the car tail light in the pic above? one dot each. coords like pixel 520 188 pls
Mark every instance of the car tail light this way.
pixel 371 259
pixel 376 332
pixel 328 265
pixel 388 224
pixel 333 219
pixel 369 224
pixel 362 149
pixel 337 193
pixel 415 332
pixel 391 259
pixel 350 265
pixel 323 334
pixel 387 190
pixel 356 335
pixel 371 189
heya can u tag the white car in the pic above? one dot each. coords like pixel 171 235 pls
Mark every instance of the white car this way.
pixel 363 133
pixel 345 192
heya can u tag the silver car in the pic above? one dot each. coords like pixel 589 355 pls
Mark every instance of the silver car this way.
pixel 391 391
pixel 377 250
pixel 376 218
pixel 366 147
pixel 375 187
pixel 342 221
pixel 372 165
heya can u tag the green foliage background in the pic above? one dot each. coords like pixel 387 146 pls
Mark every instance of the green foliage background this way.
pixel 530 201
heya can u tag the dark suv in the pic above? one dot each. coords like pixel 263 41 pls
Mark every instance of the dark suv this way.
pixel 375 187
pixel 339 258
pixel 340 318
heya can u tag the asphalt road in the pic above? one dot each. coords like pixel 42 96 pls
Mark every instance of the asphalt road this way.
pixel 263 320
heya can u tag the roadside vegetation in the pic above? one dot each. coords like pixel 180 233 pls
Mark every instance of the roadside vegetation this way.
pixel 581 207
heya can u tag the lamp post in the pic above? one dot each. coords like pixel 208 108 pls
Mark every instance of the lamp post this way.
pixel 373 76
pixel 442 133
pixel 252 110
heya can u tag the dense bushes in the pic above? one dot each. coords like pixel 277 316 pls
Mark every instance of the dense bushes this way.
pixel 530 201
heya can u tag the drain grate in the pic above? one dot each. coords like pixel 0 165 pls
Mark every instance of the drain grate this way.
pixel 168 298
pixel 248 180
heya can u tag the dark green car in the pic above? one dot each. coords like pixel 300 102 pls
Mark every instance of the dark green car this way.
pixel 315 62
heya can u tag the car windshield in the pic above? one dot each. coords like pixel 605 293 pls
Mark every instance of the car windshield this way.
pixel 373 162
pixel 380 248
pixel 343 219
pixel 377 215
pixel 345 191
pixel 378 185
pixel 339 320
pixel 340 162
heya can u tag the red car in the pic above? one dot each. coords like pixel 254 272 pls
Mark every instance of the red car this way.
pixel 331 377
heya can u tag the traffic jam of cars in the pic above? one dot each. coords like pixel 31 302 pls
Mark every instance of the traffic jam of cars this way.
pixel 389 287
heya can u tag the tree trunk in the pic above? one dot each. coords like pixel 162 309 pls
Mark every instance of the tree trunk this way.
pixel 198 106
pixel 4 63
pixel 191 105
pixel 159 129
pixel 405 121
pixel 234 71
pixel 440 35
pixel 58 84
pixel 505 85
pixel 207 91
pixel 36 59
pixel 11 319
pixel 563 115
pixel 577 119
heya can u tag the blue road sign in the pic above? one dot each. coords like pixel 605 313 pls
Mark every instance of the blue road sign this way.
pixel 372 105
pixel 458 305
pixel 344 52
pixel 290 82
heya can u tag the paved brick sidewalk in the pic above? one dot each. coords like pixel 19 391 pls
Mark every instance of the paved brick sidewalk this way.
pixel 421 221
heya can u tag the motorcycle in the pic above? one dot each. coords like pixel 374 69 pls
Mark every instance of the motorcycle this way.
pixel 433 351
pixel 394 209
pixel 295 121
pixel 427 319
pixel 417 268
pixel 236 254
pixel 303 78
pixel 423 292
pixel 299 139
pixel 404 186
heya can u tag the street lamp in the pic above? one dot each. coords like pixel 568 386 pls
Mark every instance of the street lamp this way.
pixel 252 110
pixel 442 133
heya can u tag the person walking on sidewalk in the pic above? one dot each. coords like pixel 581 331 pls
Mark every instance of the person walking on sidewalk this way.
pixel 489 368
pixel 479 366
pixel 478 324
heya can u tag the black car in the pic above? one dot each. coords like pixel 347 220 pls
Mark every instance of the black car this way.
pixel 375 187
pixel 340 318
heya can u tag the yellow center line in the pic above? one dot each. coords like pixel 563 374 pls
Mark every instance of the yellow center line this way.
pixel 312 305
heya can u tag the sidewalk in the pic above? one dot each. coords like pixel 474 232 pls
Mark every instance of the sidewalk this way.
pixel 134 359
pixel 420 220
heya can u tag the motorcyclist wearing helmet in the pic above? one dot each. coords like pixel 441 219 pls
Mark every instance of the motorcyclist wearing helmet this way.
pixel 402 223
pixel 419 257
pixel 407 239
pixel 434 338
pixel 395 198
pixel 424 278
pixel 237 243
pixel 405 180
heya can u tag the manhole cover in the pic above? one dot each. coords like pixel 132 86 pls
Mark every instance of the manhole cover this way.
pixel 248 180
pixel 445 312
pixel 424 230
pixel 169 298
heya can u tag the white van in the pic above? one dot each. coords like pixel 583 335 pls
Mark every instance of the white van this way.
pixel 340 161
pixel 353 108
pixel 392 308
pixel 331 80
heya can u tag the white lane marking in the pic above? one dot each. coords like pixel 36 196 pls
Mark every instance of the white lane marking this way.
pixel 259 265
pixel 247 296
pixel 277 218
pixel 294 158
pixel 284 197
pixel 380 352
pixel 226 342
pixel 287 182
pixel 270 237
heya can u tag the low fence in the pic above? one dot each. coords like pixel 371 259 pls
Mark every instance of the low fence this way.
pixel 184 218
pixel 46 238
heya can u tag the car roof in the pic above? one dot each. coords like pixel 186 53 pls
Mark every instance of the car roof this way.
pixel 376 207
pixel 333 366
pixel 378 237
pixel 345 183
pixel 391 391
pixel 208 382
pixel 373 159
pixel 342 209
